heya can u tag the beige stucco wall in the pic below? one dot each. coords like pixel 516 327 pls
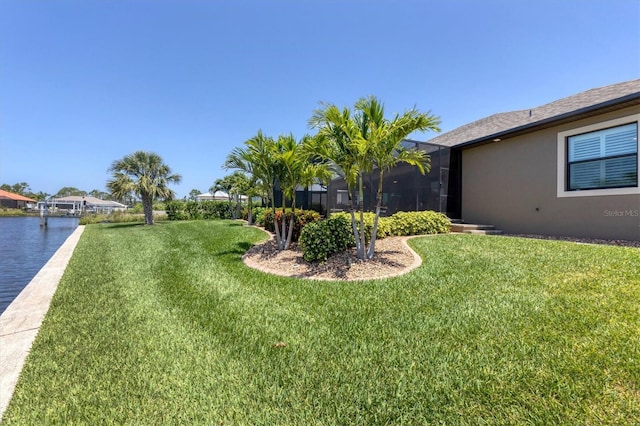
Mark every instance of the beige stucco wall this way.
pixel 512 184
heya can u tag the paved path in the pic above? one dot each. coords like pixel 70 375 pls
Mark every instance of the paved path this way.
pixel 20 322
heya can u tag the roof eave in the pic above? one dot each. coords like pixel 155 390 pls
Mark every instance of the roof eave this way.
pixel 619 103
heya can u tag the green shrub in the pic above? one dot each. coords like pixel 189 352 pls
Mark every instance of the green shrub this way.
pixel 136 208
pixel 4 211
pixel 258 215
pixel 418 223
pixel 192 210
pixel 212 209
pixel 301 218
pixel 384 225
pixel 403 223
pixel 175 210
pixel 319 240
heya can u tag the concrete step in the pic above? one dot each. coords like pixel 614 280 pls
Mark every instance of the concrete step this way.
pixel 484 231
pixel 472 228
pixel 463 227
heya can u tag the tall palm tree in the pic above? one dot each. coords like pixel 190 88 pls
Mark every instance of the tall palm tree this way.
pixel 241 160
pixel 144 174
pixel 384 137
pixel 257 159
pixel 338 143
pixel 284 162
pixel 358 143
pixel 294 168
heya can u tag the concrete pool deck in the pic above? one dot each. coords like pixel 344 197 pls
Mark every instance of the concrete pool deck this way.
pixel 21 321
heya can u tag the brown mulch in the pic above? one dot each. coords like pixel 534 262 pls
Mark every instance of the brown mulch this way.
pixel 392 257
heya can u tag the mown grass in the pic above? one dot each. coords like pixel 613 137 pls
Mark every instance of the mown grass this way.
pixel 165 325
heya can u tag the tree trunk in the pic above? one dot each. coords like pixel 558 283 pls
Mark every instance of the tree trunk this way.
pixel 354 223
pixel 147 206
pixel 231 209
pixel 283 232
pixel 363 238
pixel 374 232
pixel 275 220
pixel 363 242
pixel 250 213
pixel 290 233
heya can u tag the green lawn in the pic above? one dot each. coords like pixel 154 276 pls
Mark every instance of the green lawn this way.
pixel 165 325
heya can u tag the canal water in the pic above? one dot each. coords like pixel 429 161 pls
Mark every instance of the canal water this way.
pixel 25 247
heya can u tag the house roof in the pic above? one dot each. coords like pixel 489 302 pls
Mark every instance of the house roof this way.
pixel 581 105
pixel 16 197
pixel 92 201
pixel 218 195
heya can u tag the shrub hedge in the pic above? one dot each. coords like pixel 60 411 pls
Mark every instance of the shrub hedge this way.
pixel 192 210
pixel 418 223
pixel 319 240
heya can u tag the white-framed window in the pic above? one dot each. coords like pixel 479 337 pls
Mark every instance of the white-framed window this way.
pixel 599 159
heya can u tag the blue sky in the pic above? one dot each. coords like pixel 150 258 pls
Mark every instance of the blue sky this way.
pixel 84 83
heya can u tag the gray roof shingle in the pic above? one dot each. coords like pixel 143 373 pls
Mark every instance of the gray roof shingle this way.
pixel 502 124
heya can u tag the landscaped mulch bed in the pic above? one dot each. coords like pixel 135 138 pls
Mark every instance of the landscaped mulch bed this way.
pixel 392 257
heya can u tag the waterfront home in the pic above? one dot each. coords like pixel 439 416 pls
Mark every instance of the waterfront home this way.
pixel 10 200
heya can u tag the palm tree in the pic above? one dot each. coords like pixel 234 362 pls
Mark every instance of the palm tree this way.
pixel 144 174
pixel 294 168
pixel 284 162
pixel 356 144
pixel 240 160
pixel 340 145
pixel 385 140
pixel 257 158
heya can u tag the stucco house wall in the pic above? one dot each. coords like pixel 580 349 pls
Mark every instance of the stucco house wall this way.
pixel 514 184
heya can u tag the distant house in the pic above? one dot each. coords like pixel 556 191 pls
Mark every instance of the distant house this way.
pixel 567 168
pixel 15 201
pixel 76 204
pixel 216 196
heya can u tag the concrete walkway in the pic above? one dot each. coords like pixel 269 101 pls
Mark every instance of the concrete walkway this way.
pixel 20 322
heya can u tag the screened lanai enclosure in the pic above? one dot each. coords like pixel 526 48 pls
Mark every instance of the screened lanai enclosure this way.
pixel 404 187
